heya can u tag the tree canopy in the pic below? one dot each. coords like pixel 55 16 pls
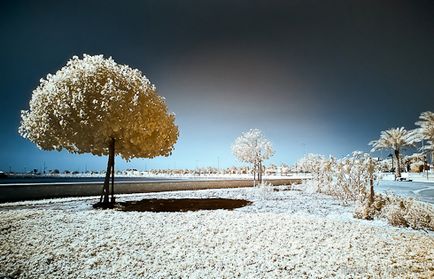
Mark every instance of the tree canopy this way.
pixel 395 138
pixel 426 129
pixel 252 147
pixel 92 101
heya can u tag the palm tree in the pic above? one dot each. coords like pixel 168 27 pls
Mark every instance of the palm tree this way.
pixel 395 139
pixel 426 131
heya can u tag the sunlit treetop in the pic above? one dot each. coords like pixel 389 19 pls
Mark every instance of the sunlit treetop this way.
pixel 394 138
pixel 426 129
pixel 93 100
pixel 252 147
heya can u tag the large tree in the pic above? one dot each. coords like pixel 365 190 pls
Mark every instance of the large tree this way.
pixel 426 131
pixel 94 105
pixel 395 139
pixel 252 147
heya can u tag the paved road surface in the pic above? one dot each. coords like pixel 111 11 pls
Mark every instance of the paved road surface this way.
pixel 421 190
pixel 78 180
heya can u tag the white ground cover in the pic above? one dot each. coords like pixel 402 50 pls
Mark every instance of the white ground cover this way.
pixel 283 234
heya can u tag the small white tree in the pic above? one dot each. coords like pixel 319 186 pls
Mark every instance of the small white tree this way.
pixel 94 105
pixel 252 147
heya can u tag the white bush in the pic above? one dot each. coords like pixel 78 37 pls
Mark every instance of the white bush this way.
pixel 348 178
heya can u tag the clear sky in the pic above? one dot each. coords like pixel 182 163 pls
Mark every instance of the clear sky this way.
pixel 315 76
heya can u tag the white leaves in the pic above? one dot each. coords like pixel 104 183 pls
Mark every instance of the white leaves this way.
pixel 93 99
pixel 135 98
pixel 347 178
pixel 426 129
pixel 394 138
pixel 252 147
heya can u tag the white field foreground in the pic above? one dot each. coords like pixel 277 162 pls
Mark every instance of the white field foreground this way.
pixel 283 234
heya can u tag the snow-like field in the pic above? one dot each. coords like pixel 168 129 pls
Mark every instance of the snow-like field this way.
pixel 283 234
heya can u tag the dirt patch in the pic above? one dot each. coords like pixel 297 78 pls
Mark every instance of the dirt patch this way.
pixel 181 205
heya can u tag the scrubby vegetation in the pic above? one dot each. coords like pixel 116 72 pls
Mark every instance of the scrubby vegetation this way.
pixel 348 179
pixel 398 211
pixel 351 180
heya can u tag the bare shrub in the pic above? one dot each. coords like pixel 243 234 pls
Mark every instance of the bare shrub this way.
pixel 398 211
pixel 369 210
pixel 408 212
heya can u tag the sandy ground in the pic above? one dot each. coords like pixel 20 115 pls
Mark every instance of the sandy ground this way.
pixel 283 234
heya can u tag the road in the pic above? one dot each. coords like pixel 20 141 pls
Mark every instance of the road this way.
pixel 29 180
pixel 33 191
pixel 423 191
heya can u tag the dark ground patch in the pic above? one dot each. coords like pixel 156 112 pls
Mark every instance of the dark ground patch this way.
pixel 181 205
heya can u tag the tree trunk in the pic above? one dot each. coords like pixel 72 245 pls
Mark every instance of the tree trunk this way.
pixel 259 173
pixel 113 173
pixel 371 182
pixel 371 190
pixel 110 167
pixel 398 165
pixel 254 174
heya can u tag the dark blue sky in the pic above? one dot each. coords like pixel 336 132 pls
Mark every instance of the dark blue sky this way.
pixel 315 76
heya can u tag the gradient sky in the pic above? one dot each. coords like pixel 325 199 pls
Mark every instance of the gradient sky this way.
pixel 315 76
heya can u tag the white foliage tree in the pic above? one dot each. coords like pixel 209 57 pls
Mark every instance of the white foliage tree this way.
pixel 252 147
pixel 395 139
pixel 426 131
pixel 310 163
pixel 94 105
